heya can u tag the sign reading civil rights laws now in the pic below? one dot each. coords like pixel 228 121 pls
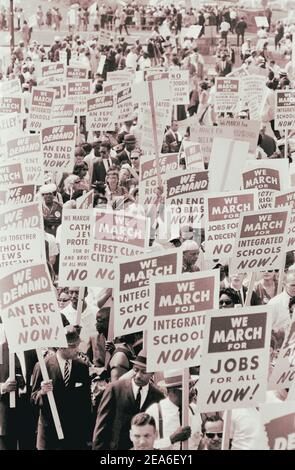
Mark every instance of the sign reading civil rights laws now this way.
pixel 261 241
pixel 29 309
pixel 235 356
pixel 221 220
pixel 115 234
pixel 132 294
pixel 178 307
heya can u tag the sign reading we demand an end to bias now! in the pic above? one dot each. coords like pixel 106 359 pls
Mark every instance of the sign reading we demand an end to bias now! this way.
pixel 261 241
pixel 178 307
pixel 29 309
pixel 236 357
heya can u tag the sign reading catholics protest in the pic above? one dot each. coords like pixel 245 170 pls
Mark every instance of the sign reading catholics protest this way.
pixel 29 309
pixel 132 294
pixel 268 177
pixel 27 148
pixel 285 110
pixel 78 92
pixel 74 247
pixel 178 307
pixel 287 199
pixel 59 148
pixel 115 234
pixel 278 420
pixel 283 373
pixel 236 354
pixel 100 114
pixel 227 95
pixel 261 241
pixel 185 198
pixel 40 108
pixel 221 219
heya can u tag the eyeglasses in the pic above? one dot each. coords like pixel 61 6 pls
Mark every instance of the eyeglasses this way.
pixel 63 300
pixel 133 158
pixel 211 435
pixel 225 302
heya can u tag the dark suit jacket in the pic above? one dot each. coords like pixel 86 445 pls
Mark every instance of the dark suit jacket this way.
pixel 99 171
pixel 116 409
pixel 223 72
pixel 73 405
pixel 123 157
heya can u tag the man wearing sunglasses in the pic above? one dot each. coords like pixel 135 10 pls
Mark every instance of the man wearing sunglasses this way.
pixel 212 430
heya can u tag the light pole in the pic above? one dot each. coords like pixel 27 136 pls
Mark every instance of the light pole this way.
pixel 11 7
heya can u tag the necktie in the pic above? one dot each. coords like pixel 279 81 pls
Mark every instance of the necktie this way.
pixel 138 399
pixel 180 415
pixel 67 373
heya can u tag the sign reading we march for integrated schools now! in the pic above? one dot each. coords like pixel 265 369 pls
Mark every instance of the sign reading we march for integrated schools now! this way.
pixel 261 241
pixel 40 108
pixel 115 234
pixel 178 308
pixel 227 95
pixel 221 219
pixel 132 294
pixel 29 309
pixel 236 357
pixel 285 110
pixel 78 92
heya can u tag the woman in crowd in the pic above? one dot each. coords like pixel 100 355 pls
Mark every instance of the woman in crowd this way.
pixel 267 287
pixel 228 298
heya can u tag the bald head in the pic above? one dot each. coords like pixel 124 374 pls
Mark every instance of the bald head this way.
pixel 290 283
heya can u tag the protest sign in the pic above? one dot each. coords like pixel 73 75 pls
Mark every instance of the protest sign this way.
pixel 59 147
pixel 221 220
pixel 261 21
pixel 278 420
pixel 236 357
pixel 285 109
pixel 287 199
pixel 115 234
pixel 56 72
pixel 85 201
pixel 179 82
pixel 131 294
pixel 11 104
pixel 28 150
pixel 29 309
pixel 120 76
pixel 40 108
pixel 78 92
pixel 252 95
pixel 227 95
pixel 113 88
pixel 21 216
pixel 74 246
pixel 227 154
pixel 17 195
pixel 148 187
pixel 261 241
pixel 11 174
pixel 185 198
pixel 10 124
pixel 179 305
pixel 124 105
pixel 239 72
pixel 63 113
pixel 21 248
pixel 100 115
pixel 245 130
pixel 11 88
pixel 76 73
pixel 192 154
pixel 268 177
pixel 101 63
pixel 283 373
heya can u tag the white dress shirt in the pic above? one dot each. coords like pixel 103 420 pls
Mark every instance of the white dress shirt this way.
pixel 171 423
pixel 281 318
pixel 144 392
pixel 62 362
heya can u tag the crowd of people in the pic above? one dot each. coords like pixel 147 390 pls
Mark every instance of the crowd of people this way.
pixel 104 379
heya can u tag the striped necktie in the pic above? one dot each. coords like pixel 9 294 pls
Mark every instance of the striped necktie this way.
pixel 67 373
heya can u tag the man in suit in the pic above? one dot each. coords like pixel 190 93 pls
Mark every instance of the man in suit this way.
pixel 70 383
pixel 101 167
pixel 224 66
pixel 129 145
pixel 172 138
pixel 122 400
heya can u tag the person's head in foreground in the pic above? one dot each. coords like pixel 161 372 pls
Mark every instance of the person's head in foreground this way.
pixel 212 430
pixel 143 432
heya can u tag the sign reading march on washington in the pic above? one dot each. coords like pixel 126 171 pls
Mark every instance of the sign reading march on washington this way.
pixel 236 354
pixel 261 241
pixel 179 305
pixel 29 309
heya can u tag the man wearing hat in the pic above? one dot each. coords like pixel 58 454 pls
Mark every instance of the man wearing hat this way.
pixel 70 383
pixel 52 210
pixel 129 145
pixel 122 400
pixel 191 252
pixel 168 415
